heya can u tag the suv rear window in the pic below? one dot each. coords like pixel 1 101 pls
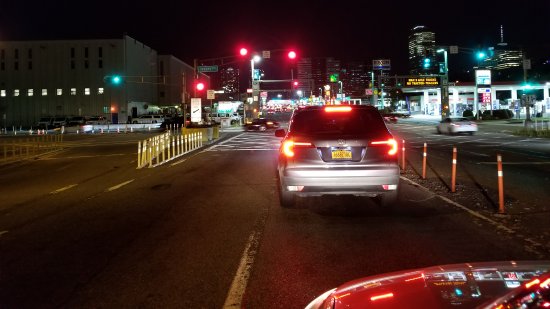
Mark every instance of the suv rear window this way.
pixel 355 122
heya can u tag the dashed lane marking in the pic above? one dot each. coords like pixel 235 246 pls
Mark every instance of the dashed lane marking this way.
pixel 63 189
pixel 119 185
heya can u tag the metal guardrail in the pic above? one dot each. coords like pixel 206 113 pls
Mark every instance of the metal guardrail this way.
pixel 162 148
pixel 15 149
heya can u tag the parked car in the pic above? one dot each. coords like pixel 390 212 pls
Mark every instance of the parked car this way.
pixel 337 150
pixel 77 120
pixel 45 123
pixel 148 119
pixel 59 121
pixel 97 120
pixel 456 125
pixel 262 124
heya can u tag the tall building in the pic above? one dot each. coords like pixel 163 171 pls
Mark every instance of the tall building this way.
pixel 229 80
pixel 314 73
pixel 502 58
pixel 422 52
pixel 356 78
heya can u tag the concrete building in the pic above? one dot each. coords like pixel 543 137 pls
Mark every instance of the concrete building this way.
pixel 73 78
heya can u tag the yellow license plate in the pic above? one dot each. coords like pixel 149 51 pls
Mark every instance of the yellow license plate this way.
pixel 341 154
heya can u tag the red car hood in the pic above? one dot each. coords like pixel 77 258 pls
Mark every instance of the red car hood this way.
pixel 468 285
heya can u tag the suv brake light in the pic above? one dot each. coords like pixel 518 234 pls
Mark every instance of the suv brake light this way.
pixel 289 145
pixel 339 108
pixel 392 143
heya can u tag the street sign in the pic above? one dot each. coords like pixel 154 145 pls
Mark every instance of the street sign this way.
pixel 196 115
pixel 266 54
pixel 208 68
pixel 211 94
pixel 381 64
pixel 483 77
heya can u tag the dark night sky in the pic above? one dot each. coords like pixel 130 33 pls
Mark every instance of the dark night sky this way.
pixel 358 30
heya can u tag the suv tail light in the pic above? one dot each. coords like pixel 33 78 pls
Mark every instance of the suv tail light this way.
pixel 289 145
pixel 391 143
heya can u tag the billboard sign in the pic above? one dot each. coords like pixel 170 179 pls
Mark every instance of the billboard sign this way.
pixel 483 77
pixel 381 64
pixel 196 115
pixel 428 81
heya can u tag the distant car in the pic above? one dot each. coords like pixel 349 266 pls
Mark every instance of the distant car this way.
pixel 456 125
pixel 45 123
pixel 337 150
pixel 59 121
pixel 261 124
pixel 77 120
pixel 97 120
pixel 390 118
pixel 148 119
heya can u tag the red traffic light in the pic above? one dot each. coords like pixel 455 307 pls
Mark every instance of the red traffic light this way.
pixel 243 51
pixel 200 86
pixel 295 83
pixel 292 54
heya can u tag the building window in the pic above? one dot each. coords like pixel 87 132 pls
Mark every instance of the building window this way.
pixel 30 65
pixel 16 92
pixel 30 92
pixel 86 64
pixel 100 64
pixel 44 92
pixel 86 91
pixel 2 93
pixel 100 90
pixel 30 53
pixel 85 52
pixel 59 91
pixel 72 52
pixel 72 64
pixel 100 51
pixel 73 91
pixel 162 94
pixel 2 54
pixel 16 53
pixel 16 66
pixel 3 66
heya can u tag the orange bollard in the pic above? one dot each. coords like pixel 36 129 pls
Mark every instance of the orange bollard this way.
pixel 500 185
pixel 453 175
pixel 403 155
pixel 424 156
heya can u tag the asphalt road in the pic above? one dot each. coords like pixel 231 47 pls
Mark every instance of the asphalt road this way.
pixel 84 228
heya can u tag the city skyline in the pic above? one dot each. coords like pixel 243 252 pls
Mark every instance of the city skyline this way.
pixel 347 31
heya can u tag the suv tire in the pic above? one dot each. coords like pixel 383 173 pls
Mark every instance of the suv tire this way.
pixel 286 198
pixel 388 200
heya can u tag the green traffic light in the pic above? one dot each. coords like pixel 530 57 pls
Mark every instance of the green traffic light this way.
pixel 481 55
pixel 116 80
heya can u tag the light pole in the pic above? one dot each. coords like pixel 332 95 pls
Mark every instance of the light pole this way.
pixel 444 86
pixel 341 90
pixel 255 87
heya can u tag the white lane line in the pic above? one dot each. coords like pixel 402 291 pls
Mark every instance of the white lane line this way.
pixel 63 189
pixel 240 281
pixel 3 232
pixel 476 153
pixel 119 185
pixel 516 163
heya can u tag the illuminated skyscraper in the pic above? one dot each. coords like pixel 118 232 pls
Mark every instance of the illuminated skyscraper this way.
pixel 422 54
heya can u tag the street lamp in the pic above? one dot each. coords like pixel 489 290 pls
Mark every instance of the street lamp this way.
pixel 444 86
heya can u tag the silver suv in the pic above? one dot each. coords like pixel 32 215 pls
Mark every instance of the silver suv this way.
pixel 336 150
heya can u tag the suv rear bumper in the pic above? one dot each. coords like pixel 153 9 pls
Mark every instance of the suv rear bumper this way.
pixel 356 182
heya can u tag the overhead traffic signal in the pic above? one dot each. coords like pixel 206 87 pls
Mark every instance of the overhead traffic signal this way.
pixel 334 78
pixel 243 51
pixel 292 55
pixel 114 80
pixel 295 83
pixel 427 63
pixel 199 86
